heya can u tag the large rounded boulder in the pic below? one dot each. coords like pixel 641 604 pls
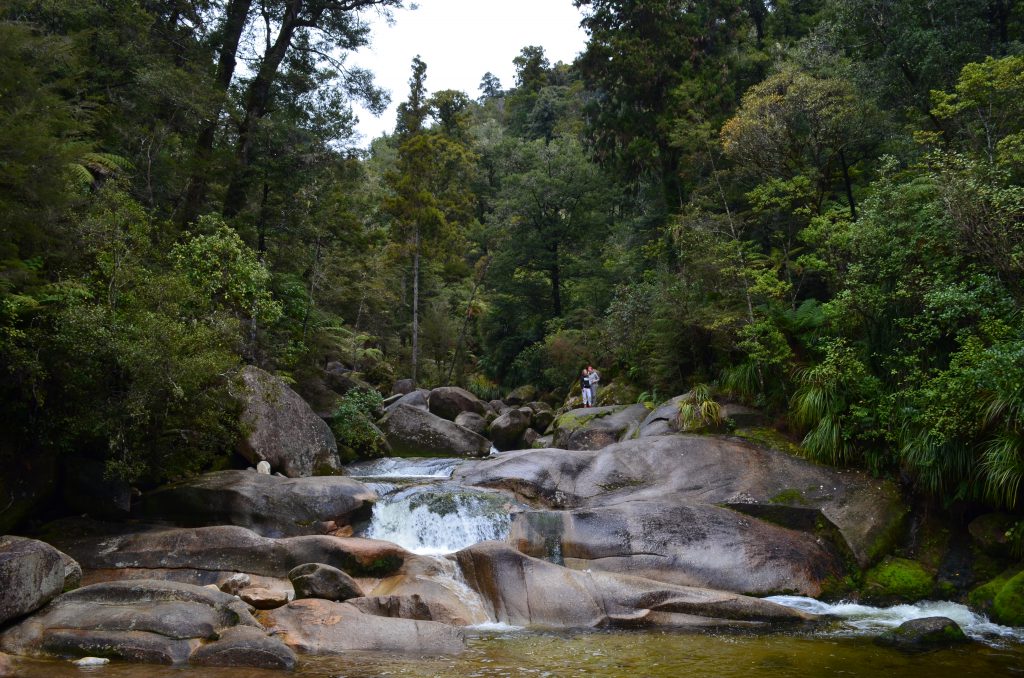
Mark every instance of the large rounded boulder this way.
pixel 283 430
pixel 449 402
pixel 411 431
pixel 507 430
pixel 31 574
pixel 269 505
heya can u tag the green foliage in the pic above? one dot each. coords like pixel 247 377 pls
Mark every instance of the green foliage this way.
pixel 353 423
pixel 698 409
pixel 1008 605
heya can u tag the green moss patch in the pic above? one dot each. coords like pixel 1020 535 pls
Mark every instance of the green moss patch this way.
pixel 1008 606
pixel 790 496
pixel 898 580
pixel 770 438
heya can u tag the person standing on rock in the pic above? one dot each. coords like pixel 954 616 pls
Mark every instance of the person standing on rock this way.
pixel 593 377
pixel 585 388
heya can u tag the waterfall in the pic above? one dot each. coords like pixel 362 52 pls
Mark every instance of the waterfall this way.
pixel 439 519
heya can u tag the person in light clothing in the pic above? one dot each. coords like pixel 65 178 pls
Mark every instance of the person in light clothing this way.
pixel 593 377
pixel 588 399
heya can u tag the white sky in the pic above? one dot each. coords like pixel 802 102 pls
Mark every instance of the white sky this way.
pixel 460 40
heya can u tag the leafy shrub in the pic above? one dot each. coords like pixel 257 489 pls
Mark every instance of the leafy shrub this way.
pixel 353 423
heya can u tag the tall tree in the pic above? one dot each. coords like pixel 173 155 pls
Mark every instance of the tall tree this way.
pixel 323 27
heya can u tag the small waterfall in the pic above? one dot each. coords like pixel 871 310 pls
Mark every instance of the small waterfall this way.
pixel 865 619
pixel 399 467
pixel 439 519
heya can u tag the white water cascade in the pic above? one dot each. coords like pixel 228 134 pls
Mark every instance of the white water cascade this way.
pixel 439 519
pixel 860 619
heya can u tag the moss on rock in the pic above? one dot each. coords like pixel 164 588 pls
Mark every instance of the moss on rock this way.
pixel 1008 605
pixel 898 580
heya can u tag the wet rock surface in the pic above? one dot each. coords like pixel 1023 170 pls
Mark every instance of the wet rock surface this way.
pixel 923 635
pixel 316 580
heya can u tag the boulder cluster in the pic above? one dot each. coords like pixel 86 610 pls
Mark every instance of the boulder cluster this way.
pixel 630 523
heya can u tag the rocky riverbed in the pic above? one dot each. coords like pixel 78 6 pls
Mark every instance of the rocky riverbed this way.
pixel 660 530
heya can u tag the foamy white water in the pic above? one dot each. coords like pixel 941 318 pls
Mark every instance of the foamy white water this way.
pixel 437 520
pixel 398 467
pixel 867 619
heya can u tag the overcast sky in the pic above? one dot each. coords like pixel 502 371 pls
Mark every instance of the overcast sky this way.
pixel 460 40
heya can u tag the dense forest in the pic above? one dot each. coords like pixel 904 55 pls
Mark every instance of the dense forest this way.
pixel 815 207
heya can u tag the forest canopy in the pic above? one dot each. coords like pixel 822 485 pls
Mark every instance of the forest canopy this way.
pixel 814 206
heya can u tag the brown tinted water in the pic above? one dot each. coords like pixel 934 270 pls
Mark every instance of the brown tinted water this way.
pixel 631 654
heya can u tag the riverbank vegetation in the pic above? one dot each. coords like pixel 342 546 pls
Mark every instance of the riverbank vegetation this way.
pixel 816 206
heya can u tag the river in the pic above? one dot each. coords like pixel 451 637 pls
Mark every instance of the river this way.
pixel 423 511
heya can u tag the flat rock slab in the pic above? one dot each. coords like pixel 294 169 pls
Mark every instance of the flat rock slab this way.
pixel 701 469
pixel 323 627
pixel 149 621
pixel 224 548
pixel 526 591
pixel 692 545
pixel 268 505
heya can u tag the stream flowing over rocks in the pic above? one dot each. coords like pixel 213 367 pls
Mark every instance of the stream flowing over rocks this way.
pixel 627 529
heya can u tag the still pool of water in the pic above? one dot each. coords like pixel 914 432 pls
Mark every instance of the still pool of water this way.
pixel 633 654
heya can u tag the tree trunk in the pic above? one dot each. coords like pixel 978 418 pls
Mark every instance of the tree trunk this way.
pixel 257 99
pixel 415 305
pixel 237 15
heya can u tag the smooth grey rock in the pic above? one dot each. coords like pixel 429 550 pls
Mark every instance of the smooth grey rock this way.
pixel 245 646
pixel 473 421
pixel 283 429
pixel 411 431
pixel 268 505
pixel 703 469
pixel 596 427
pixel 507 430
pixel 223 548
pixel 690 545
pixel 146 621
pixel 417 399
pixel 449 402
pixel 521 395
pixel 525 591
pixel 316 580
pixel 31 574
pixel 323 627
